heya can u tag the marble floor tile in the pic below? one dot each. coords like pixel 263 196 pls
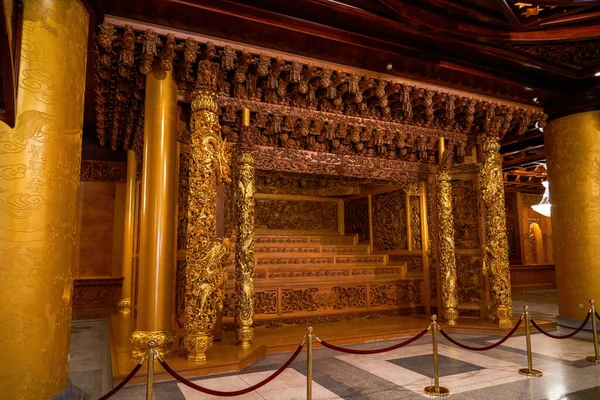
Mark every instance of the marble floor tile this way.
pixel 563 349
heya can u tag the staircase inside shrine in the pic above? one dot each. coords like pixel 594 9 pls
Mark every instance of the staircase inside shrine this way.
pixel 324 278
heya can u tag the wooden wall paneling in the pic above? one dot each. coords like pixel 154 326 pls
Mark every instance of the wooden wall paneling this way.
pixel 95 297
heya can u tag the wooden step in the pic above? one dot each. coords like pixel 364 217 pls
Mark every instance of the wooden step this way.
pixel 280 249
pixel 308 260
pixel 308 239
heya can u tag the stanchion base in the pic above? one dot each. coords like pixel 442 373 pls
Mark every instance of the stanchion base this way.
pixel 593 359
pixel 533 372
pixel 441 392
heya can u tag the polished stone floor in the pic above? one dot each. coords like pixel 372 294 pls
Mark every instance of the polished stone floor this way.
pixel 399 374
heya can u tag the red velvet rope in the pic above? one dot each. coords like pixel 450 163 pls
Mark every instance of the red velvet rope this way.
pixel 236 392
pixel 123 382
pixel 575 332
pixel 394 347
pixel 464 346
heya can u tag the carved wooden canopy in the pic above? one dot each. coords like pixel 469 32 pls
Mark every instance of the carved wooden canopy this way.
pixel 294 105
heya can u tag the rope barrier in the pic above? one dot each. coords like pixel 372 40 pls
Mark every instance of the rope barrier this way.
pixel 575 332
pixel 236 392
pixel 124 381
pixel 597 316
pixel 394 347
pixel 464 346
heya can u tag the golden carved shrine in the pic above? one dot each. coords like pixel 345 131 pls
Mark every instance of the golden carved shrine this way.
pixel 206 192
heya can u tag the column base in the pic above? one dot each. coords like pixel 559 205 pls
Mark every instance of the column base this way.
pixel 197 345
pixel 504 321
pixel 451 315
pixel 124 306
pixel 140 341
pixel 244 336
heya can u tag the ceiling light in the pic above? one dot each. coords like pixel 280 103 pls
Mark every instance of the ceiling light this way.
pixel 544 207
pixel 536 100
pixel 537 125
pixel 389 66
pixel 597 73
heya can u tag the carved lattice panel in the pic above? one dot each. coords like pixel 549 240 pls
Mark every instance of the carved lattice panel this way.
pixel 465 206
pixel 389 221
pixel 357 218
pixel 415 222
pixel 469 279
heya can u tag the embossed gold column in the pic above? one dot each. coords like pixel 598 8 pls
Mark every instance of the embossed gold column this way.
pixel 573 156
pixel 128 227
pixel 205 272
pixel 244 250
pixel 447 258
pixel 496 239
pixel 39 177
pixel 157 221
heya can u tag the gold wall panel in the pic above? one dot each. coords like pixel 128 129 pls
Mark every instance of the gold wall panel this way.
pixel 469 279
pixel 97 208
pixel 415 222
pixel 573 155
pixel 40 160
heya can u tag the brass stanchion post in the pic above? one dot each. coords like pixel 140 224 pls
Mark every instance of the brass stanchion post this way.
pixel 529 371
pixel 596 357
pixel 150 378
pixel 309 355
pixel 436 389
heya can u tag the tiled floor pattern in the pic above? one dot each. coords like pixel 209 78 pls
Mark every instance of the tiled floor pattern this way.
pixel 400 374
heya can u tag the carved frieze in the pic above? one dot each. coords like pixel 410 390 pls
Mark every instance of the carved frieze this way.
pixel 296 105
pixel 394 294
pixel 288 185
pixel 92 170
pixel 415 222
pixel 295 215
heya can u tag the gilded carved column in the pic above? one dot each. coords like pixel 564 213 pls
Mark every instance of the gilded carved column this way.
pixel 244 250
pixel 205 273
pixel 157 248
pixel 496 247
pixel 573 155
pixel 447 258
pixel 40 160
pixel 446 221
pixel 128 234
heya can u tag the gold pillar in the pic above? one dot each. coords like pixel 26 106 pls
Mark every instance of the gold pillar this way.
pixel 205 273
pixel 39 178
pixel 496 240
pixel 128 227
pixel 157 221
pixel 244 250
pixel 447 258
pixel 573 156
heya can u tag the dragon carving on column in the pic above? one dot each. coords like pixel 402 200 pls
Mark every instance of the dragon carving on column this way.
pixel 205 274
